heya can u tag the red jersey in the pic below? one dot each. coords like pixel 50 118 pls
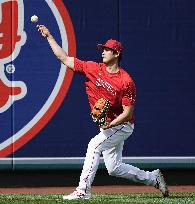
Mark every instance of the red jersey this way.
pixel 118 88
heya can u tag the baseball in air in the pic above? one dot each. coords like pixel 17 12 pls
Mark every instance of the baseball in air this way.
pixel 34 19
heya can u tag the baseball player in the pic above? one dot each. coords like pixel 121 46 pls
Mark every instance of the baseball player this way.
pixel 107 80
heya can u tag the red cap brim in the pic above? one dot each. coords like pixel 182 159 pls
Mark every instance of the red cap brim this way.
pixel 101 46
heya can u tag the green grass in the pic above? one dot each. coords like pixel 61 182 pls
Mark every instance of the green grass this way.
pixel 133 198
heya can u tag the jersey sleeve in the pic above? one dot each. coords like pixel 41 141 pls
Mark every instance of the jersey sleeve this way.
pixel 129 94
pixel 79 66
pixel 84 67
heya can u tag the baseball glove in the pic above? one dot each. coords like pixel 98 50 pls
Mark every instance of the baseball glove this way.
pixel 99 111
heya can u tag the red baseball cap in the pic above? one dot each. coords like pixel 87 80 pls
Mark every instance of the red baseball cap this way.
pixel 112 44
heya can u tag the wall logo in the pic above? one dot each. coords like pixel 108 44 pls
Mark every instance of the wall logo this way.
pixel 33 83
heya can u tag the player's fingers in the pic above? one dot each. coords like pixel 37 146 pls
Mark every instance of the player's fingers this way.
pixel 43 34
pixel 42 30
pixel 41 27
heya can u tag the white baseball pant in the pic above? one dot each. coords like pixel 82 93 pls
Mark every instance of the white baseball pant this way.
pixel 110 143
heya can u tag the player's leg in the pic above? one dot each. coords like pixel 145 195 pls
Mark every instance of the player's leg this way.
pixel 113 161
pixel 91 162
pixel 95 146
pixel 115 167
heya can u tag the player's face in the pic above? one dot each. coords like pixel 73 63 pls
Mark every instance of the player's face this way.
pixel 108 55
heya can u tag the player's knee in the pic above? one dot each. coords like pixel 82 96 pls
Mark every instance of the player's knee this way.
pixel 114 172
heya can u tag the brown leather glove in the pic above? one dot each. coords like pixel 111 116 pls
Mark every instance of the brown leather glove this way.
pixel 99 111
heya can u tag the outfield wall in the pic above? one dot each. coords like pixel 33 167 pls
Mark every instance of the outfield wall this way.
pixel 48 124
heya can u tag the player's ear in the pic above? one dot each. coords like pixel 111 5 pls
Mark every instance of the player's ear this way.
pixel 117 53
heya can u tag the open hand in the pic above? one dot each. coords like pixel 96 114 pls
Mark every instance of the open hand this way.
pixel 44 31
